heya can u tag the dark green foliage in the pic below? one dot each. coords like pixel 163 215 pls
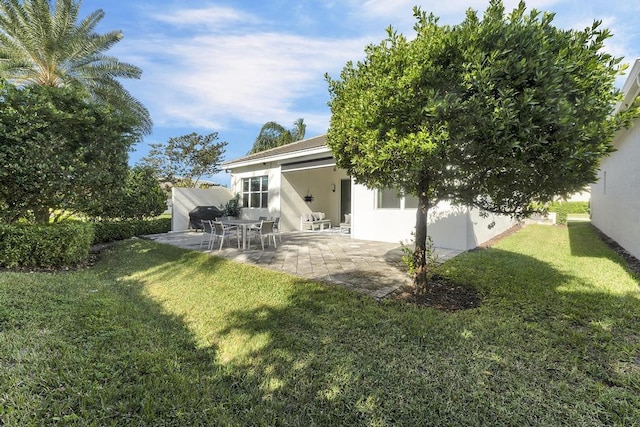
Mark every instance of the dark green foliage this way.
pixel 58 151
pixel 503 113
pixel 274 135
pixel 110 231
pixel 232 207
pixel 564 208
pixel 142 197
pixel 52 245
pixel 187 158
pixel 44 43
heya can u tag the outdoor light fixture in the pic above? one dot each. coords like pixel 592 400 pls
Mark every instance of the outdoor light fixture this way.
pixel 333 188
pixel 308 198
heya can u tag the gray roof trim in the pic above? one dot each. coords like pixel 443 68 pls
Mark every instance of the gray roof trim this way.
pixel 295 149
pixel 308 164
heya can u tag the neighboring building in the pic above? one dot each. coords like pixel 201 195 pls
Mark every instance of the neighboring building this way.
pixel 615 198
pixel 277 182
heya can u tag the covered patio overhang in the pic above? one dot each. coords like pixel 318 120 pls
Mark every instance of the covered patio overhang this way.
pixel 302 178
pixel 313 185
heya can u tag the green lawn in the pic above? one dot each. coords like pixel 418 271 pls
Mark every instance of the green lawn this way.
pixel 155 335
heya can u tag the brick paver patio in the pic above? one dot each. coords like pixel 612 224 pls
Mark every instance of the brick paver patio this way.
pixel 373 268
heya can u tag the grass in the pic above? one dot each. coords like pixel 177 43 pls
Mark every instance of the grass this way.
pixel 155 335
pixel 578 216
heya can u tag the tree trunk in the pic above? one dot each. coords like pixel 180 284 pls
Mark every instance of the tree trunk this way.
pixel 41 214
pixel 420 277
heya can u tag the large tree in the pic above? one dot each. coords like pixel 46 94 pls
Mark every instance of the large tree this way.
pixel 43 43
pixel 502 113
pixel 273 135
pixel 187 158
pixel 59 151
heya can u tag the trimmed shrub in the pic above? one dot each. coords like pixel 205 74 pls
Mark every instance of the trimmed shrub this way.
pixel 110 231
pixel 44 246
pixel 562 209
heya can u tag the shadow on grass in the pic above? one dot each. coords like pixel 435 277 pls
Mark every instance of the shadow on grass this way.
pixel 335 358
pixel 527 357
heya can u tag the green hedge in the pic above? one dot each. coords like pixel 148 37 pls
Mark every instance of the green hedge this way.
pixel 66 244
pixel 110 231
pixel 45 246
pixel 562 209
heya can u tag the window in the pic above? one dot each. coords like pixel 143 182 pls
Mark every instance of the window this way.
pixel 255 192
pixel 410 202
pixel 388 198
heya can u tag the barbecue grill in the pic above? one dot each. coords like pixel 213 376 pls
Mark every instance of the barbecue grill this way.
pixel 197 214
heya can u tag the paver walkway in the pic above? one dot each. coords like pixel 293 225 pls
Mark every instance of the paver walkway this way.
pixel 374 268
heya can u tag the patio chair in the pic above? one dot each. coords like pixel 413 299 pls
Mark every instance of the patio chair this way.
pixel 346 225
pixel 207 228
pixel 276 227
pixel 253 230
pixel 227 231
pixel 266 230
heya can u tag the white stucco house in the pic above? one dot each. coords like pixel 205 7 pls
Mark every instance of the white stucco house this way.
pixel 277 182
pixel 615 198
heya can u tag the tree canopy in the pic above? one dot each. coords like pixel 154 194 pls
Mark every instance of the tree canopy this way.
pixel 273 135
pixel 45 43
pixel 502 113
pixel 186 159
pixel 59 151
pixel 141 196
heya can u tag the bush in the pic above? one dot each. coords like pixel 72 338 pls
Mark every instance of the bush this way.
pixel 562 209
pixel 141 197
pixel 44 246
pixel 110 231
pixel 232 207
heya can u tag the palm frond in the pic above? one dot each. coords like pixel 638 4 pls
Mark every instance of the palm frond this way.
pixel 46 44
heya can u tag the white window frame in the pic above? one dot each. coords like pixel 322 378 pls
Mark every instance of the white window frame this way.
pixel 247 195
pixel 401 198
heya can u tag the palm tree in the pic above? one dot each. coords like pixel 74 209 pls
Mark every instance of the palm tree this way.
pixel 46 45
pixel 274 135
pixel 299 129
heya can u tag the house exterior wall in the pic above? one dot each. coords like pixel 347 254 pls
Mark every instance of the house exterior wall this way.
pixel 312 169
pixel 615 203
pixel 319 182
pixel 482 228
pixel 183 200
pixel 451 227
pixel 273 172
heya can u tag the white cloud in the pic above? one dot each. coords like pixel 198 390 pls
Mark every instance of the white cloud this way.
pixel 399 12
pixel 225 67
pixel 213 79
pixel 215 16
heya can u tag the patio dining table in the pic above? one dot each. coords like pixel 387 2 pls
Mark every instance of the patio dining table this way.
pixel 244 225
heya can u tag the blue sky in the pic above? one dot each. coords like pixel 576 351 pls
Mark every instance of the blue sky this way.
pixel 231 66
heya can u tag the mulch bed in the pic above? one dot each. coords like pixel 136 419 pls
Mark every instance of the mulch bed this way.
pixel 632 262
pixel 447 295
pixel 443 294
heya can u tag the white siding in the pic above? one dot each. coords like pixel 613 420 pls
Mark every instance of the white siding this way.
pixel 615 198
pixel 273 173
pixel 451 227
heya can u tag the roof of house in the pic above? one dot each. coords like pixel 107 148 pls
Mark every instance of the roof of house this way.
pixel 317 142
pixel 631 87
